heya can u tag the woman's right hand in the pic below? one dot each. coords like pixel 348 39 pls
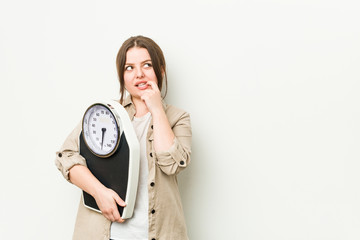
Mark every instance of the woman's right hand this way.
pixel 107 201
pixel 105 198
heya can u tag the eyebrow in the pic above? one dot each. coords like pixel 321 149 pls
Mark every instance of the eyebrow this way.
pixel 141 62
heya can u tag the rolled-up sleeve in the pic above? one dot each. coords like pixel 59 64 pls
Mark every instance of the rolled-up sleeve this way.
pixel 177 157
pixel 68 155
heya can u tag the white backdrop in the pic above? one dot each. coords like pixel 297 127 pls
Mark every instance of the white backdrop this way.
pixel 273 92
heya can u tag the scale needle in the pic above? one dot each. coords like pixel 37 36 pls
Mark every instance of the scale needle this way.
pixel 102 138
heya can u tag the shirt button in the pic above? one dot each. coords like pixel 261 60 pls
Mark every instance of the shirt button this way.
pixel 182 162
pixel 150 154
pixel 152 127
pixel 152 184
pixel 60 154
pixel 153 211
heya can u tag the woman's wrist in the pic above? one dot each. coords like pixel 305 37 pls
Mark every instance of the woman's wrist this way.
pixel 98 190
pixel 163 134
pixel 158 112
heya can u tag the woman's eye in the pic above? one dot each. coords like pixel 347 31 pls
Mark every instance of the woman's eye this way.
pixel 147 65
pixel 128 68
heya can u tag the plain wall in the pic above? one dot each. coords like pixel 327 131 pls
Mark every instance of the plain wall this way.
pixel 272 88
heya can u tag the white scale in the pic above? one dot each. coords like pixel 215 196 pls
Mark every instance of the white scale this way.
pixel 109 144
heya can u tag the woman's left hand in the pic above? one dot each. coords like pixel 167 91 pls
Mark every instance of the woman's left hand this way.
pixel 163 134
pixel 152 97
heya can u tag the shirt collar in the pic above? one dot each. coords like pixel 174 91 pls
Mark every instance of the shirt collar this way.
pixel 127 101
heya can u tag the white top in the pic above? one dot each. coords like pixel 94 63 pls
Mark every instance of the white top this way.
pixel 136 228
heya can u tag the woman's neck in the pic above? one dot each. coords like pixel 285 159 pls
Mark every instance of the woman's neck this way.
pixel 140 106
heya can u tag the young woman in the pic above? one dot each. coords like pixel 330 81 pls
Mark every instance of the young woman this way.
pixel 164 133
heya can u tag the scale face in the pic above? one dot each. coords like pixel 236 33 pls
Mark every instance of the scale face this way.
pixel 112 152
pixel 101 130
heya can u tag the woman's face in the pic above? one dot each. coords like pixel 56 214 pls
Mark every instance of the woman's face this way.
pixel 138 71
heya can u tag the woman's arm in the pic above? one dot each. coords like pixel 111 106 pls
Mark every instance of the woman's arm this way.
pixel 73 167
pixel 163 134
pixel 106 198
pixel 172 141
pixel 176 158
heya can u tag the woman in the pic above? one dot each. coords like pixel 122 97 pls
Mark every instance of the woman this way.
pixel 164 133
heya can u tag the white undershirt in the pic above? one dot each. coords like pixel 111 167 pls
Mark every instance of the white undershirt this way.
pixel 136 228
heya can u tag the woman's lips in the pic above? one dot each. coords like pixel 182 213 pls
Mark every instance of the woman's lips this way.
pixel 142 86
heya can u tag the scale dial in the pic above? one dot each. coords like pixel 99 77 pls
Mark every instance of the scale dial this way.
pixel 101 130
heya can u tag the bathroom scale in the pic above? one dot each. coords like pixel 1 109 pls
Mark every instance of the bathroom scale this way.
pixel 112 152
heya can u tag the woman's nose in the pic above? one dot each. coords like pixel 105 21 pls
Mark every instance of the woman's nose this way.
pixel 139 73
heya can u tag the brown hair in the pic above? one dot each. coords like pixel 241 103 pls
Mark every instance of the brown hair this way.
pixel 156 55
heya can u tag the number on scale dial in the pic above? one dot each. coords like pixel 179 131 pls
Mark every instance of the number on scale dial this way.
pixel 100 130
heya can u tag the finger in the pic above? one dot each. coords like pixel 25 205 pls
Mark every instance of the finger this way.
pixel 110 217
pixel 120 220
pixel 120 201
pixel 147 91
pixel 147 94
pixel 116 216
pixel 144 97
pixel 153 85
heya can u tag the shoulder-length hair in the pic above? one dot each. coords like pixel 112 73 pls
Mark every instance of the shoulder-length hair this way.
pixel 156 55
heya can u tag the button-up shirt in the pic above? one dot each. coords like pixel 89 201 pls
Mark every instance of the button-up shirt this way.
pixel 166 218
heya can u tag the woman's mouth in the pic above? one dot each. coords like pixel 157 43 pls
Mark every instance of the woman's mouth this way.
pixel 142 85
